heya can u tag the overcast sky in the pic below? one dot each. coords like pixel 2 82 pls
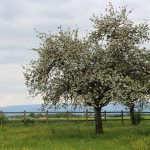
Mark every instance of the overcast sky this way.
pixel 19 18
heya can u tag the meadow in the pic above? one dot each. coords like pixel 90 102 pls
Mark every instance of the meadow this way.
pixel 75 136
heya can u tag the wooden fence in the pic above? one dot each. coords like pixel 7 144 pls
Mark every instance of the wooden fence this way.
pixel 49 117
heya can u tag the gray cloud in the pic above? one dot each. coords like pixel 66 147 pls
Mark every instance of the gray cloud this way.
pixel 19 18
pixel 19 57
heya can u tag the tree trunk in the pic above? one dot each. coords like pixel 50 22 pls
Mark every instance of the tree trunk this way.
pixel 98 120
pixel 132 116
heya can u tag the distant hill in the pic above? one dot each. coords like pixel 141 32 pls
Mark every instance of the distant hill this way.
pixel 21 108
pixel 37 108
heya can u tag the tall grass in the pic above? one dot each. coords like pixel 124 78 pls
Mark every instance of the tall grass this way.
pixel 75 136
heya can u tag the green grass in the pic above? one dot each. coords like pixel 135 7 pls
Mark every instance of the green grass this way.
pixel 75 136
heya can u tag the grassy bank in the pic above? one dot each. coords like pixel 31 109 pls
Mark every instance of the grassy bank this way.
pixel 75 136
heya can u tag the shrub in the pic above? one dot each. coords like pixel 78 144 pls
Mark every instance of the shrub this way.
pixel 28 121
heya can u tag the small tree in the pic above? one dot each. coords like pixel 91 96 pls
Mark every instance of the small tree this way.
pixel 134 95
pixel 74 69
pixel 124 40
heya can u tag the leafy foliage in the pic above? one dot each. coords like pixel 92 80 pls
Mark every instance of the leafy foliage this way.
pixel 71 68
pixel 123 40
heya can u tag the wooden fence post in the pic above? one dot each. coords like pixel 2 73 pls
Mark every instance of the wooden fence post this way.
pixel 105 115
pixel 122 121
pixel 86 115
pixel 24 115
pixel 47 116
pixel 1 117
pixel 67 115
